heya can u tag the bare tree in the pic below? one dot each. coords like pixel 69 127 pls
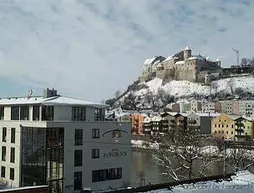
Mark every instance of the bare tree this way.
pixel 152 100
pixel 141 176
pixel 180 152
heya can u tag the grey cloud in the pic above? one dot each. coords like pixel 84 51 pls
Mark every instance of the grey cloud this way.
pixel 91 50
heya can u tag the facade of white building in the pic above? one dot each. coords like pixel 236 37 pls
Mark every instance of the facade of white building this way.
pixel 63 142
pixel 208 107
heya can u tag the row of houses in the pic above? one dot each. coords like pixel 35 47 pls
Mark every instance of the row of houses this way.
pixel 231 107
pixel 219 125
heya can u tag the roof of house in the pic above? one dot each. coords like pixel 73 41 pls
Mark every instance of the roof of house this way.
pixel 56 100
pixel 207 114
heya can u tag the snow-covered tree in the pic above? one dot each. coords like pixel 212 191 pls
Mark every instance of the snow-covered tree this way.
pixel 181 155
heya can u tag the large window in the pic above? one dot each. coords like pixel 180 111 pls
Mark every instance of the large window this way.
pixel 47 113
pixel 78 137
pixel 106 174
pixel 11 173
pixel 78 158
pixel 3 153
pixel 36 113
pixel 99 114
pixel 96 133
pixel 13 131
pixel 95 153
pixel 78 113
pixel 1 113
pixel 77 180
pixel 24 113
pixel 4 134
pixel 2 171
pixel 14 113
pixel 12 158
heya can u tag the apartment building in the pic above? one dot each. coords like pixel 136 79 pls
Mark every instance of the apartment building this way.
pixel 63 142
pixel 223 126
pixel 196 106
pixel 227 107
pixel 136 123
pixel 201 122
pixel 208 107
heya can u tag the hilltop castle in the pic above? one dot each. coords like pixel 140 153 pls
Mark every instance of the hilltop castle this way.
pixel 180 66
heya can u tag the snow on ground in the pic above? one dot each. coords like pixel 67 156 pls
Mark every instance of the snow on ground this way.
pixel 185 88
pixel 242 182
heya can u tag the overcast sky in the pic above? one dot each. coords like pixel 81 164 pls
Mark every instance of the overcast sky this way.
pixel 90 49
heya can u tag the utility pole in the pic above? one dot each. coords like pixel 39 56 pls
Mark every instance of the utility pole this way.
pixel 237 55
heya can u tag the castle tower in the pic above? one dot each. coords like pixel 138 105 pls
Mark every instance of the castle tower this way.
pixel 186 53
pixel 218 62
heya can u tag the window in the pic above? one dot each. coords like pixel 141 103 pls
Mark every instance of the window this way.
pixel 99 114
pixel 3 153
pixel 36 113
pixel 47 113
pixel 1 113
pixel 4 134
pixel 215 132
pixel 77 180
pixel 14 113
pixel 78 113
pixel 95 153
pixel 78 158
pixel 12 135
pixel 2 171
pixel 233 126
pixel 11 173
pixel 78 136
pixel 215 125
pixel 24 113
pixel 96 133
pixel 232 132
pixel 12 155
pixel 106 174
pixel 227 132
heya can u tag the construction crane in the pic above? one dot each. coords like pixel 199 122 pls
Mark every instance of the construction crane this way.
pixel 237 55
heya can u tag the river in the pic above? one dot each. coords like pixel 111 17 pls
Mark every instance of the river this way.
pixel 143 162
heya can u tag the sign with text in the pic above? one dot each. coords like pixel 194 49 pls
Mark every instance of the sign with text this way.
pixel 114 153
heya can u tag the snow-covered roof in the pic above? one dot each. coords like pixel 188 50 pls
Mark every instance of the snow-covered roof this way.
pixel 217 60
pixel 56 100
pixel 180 62
pixel 234 117
pixel 149 61
pixel 208 114
pixel 168 58
pixel 187 48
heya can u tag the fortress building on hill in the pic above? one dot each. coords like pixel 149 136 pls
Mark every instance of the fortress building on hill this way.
pixel 180 66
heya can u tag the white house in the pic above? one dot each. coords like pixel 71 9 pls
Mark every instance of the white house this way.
pixel 63 142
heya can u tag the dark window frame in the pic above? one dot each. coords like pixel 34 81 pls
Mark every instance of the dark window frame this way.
pixel 3 153
pixel 13 135
pixel 106 174
pixel 78 113
pixel 1 113
pixel 95 153
pixel 36 113
pixel 47 113
pixel 78 158
pixel 12 173
pixel 99 114
pixel 15 113
pixel 95 133
pixel 77 181
pixel 3 171
pixel 24 112
pixel 4 134
pixel 78 137
pixel 12 155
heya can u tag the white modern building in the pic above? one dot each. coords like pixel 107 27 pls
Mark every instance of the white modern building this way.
pixel 63 142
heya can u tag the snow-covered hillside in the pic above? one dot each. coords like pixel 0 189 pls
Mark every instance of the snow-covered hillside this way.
pixel 186 88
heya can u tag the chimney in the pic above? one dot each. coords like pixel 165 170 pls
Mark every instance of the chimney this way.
pixel 49 93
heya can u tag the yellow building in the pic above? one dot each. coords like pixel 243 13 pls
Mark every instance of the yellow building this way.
pixel 223 126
